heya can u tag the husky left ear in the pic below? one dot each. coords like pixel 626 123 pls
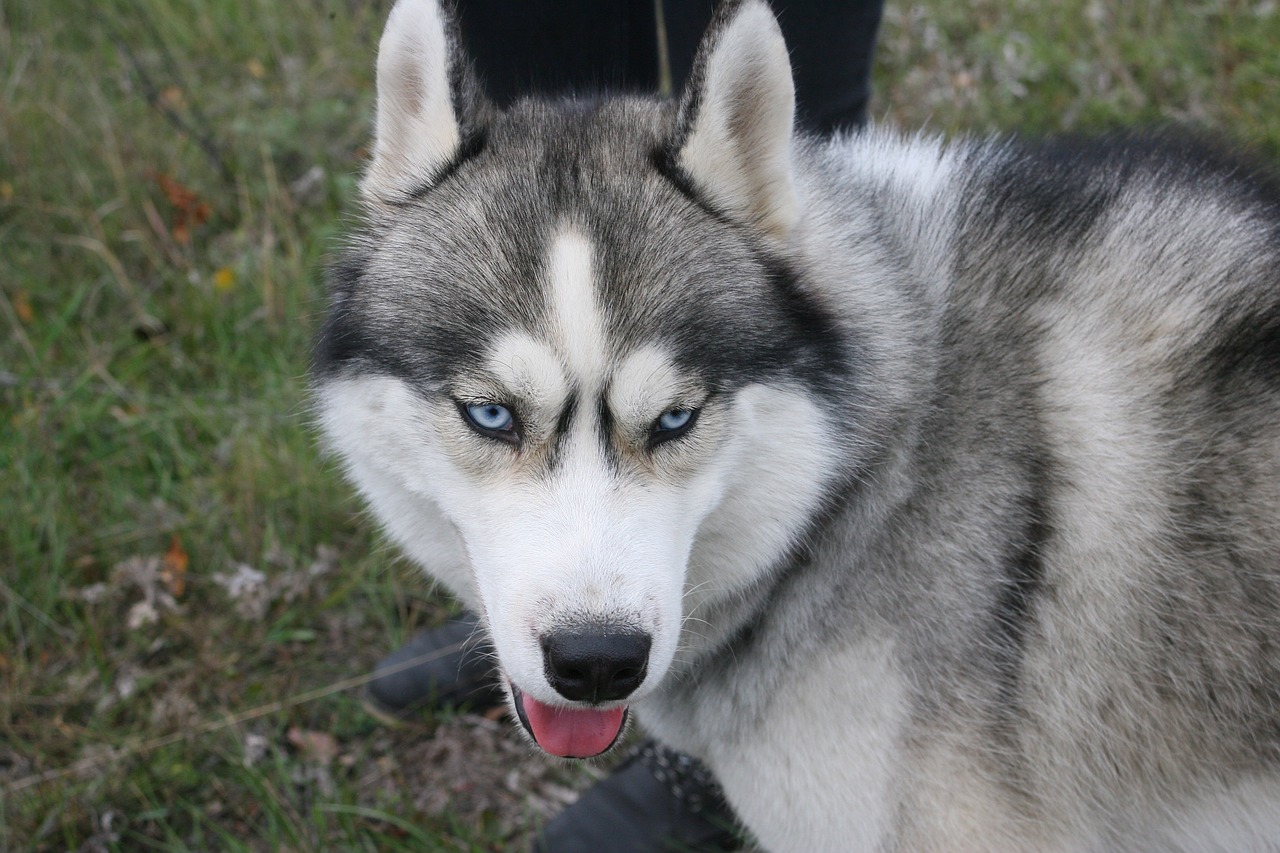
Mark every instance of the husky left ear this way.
pixel 734 125
pixel 429 105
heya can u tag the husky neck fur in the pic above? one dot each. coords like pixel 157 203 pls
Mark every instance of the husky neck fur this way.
pixel 929 492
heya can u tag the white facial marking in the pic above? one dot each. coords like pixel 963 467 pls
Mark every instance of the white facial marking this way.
pixel 530 370
pixel 570 275
pixel 645 385
pixel 386 436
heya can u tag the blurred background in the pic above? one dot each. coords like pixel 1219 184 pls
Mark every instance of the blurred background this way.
pixel 189 595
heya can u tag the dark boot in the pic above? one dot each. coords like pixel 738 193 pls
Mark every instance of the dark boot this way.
pixel 447 667
pixel 656 801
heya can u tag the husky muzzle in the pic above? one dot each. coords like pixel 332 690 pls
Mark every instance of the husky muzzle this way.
pixel 596 669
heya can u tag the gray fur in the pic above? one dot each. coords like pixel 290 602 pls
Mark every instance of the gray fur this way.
pixel 1055 485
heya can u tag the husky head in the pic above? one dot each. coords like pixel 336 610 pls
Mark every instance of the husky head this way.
pixel 568 362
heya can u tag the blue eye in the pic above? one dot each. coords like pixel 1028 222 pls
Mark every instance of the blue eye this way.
pixel 490 417
pixel 672 423
pixel 675 419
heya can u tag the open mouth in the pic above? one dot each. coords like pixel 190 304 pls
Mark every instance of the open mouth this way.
pixel 569 732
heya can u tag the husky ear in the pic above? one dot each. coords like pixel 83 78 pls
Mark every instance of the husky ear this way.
pixel 734 125
pixel 429 105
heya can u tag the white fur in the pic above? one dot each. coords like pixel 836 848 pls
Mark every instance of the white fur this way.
pixel 572 292
pixel 1231 820
pixel 535 549
pixel 859 697
pixel 738 151
pixel 416 130
pixel 531 373
pixel 646 381
pixel 382 431
pixel 777 467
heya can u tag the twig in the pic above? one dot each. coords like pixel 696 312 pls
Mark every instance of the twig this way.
pixel 201 133
pixel 40 616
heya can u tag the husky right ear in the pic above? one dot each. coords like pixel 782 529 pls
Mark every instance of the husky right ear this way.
pixel 429 105
pixel 734 125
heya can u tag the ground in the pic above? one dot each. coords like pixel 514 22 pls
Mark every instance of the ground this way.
pixel 190 596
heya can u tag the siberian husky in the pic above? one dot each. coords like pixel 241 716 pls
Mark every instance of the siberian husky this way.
pixel 928 491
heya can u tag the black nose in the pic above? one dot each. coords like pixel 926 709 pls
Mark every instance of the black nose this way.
pixel 595 667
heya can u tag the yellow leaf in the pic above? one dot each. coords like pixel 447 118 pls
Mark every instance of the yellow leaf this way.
pixel 224 279
pixel 6 191
pixel 256 68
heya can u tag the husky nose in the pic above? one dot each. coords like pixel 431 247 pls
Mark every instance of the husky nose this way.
pixel 595 667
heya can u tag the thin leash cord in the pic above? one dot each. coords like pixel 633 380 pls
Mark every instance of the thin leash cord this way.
pixel 210 726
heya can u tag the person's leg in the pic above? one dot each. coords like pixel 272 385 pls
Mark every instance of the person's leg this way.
pixel 550 47
pixel 448 667
pixel 832 46
pixel 553 46
pixel 655 800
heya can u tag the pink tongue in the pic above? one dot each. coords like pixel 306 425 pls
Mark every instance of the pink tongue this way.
pixel 572 732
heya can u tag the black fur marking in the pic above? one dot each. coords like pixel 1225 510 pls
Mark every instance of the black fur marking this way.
pixel 563 424
pixel 470 148
pixel 801 343
pixel 606 428
pixel 1042 198
pixel 1024 578
pixel 1249 347
pixel 341 339
pixel 665 161
pixel 1061 186
pixel 817 347
pixel 812 342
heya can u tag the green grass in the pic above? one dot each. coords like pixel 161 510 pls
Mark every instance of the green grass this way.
pixel 152 386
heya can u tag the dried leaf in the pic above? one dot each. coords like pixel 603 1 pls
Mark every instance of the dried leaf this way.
pixel 140 614
pixel 256 69
pixel 320 747
pixel 22 307
pixel 256 747
pixel 248 588
pixel 91 594
pixel 189 210
pixel 145 575
pixel 172 98
pixel 173 569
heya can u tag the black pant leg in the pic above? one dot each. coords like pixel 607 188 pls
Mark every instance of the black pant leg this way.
pixel 550 47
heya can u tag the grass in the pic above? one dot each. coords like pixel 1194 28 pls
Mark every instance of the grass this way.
pixel 172 177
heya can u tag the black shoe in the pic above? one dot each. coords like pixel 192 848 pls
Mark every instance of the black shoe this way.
pixel 447 667
pixel 656 801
